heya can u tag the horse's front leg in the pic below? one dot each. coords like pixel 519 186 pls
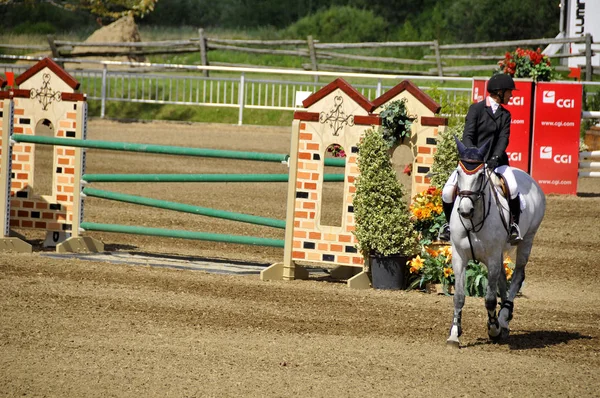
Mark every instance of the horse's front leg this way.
pixel 459 267
pixel 495 274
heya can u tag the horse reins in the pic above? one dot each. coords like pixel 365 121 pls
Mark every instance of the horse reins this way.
pixel 477 195
pixel 497 200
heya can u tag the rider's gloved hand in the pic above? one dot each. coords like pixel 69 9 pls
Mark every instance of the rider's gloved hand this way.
pixel 492 162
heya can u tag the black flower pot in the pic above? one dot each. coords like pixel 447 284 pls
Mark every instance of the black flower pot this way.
pixel 389 272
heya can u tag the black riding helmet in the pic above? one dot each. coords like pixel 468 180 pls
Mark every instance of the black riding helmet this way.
pixel 499 83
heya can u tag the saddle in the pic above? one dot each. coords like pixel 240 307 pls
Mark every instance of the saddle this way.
pixel 501 185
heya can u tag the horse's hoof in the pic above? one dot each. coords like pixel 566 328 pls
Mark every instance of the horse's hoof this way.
pixel 504 332
pixel 494 331
pixel 452 343
pixel 495 336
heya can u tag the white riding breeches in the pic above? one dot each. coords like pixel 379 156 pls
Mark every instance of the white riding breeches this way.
pixel 448 192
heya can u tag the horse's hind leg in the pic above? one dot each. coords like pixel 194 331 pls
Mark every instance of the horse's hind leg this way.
pixel 506 311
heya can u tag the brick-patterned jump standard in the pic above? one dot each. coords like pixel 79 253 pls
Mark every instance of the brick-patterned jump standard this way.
pixel 39 97
pixel 338 114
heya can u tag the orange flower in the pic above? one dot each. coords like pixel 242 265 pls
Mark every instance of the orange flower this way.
pixel 446 251
pixel 508 267
pixel 415 264
pixel 431 252
pixel 448 271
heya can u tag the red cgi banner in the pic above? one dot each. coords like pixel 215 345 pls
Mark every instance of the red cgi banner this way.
pixel 520 107
pixel 479 92
pixel 555 151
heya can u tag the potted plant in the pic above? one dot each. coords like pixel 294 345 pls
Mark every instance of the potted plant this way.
pixel 384 229
pixel 396 123
pixel 527 63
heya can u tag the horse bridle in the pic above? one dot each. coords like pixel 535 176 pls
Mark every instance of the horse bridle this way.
pixel 475 196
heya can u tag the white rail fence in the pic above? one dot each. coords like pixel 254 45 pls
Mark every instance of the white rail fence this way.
pixel 186 85
pixel 589 160
pixel 233 87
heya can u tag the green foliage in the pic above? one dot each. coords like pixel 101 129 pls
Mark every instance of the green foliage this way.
pixel 476 279
pixel 340 24
pixel 110 9
pixel 383 224
pixel 455 110
pixel 489 20
pixel 38 28
pixel 448 21
pixel 445 159
pixel 30 18
pixel 396 122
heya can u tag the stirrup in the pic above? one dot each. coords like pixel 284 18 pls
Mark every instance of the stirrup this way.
pixel 515 234
pixel 444 233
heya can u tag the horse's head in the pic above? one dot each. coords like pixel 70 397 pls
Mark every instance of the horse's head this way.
pixel 471 177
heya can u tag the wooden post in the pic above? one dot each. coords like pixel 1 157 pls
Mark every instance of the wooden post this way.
pixel 438 58
pixel 203 52
pixel 588 57
pixel 313 55
pixel 54 49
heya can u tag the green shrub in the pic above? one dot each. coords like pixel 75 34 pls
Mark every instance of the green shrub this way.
pixel 383 224
pixel 340 24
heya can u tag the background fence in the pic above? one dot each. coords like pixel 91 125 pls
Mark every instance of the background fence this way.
pixel 429 59
pixel 234 87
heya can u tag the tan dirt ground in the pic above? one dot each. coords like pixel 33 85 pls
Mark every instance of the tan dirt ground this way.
pixel 72 328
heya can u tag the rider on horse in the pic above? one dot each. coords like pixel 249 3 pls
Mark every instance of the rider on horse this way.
pixel 489 120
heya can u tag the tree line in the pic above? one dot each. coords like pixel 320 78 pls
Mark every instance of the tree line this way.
pixel 448 21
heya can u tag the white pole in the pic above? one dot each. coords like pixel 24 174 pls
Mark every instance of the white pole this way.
pixel 103 101
pixel 241 99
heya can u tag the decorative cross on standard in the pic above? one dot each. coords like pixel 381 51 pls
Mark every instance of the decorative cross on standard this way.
pixel 46 95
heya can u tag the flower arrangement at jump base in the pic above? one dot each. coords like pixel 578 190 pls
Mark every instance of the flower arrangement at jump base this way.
pixel 527 63
pixel 434 266
pixel 427 213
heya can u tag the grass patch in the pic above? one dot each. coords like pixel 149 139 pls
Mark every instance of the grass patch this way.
pixel 187 113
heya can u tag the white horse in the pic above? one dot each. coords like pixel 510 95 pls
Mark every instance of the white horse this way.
pixel 479 229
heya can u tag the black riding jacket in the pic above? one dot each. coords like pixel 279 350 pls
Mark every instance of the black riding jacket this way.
pixel 481 124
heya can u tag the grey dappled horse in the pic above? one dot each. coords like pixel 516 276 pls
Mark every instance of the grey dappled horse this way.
pixel 479 231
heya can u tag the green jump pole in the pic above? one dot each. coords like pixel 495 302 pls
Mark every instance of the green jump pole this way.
pixel 148 148
pixel 198 177
pixel 164 149
pixel 163 204
pixel 172 233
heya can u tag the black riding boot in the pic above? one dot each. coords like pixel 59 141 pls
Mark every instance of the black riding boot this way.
pixel 515 210
pixel 444 234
